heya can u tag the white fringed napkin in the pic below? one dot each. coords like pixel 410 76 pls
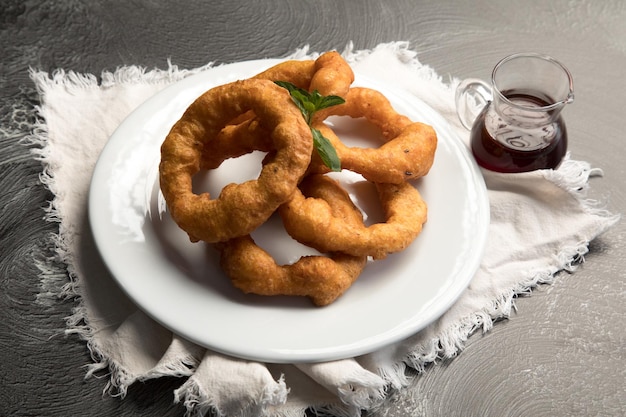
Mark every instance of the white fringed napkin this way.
pixel 541 223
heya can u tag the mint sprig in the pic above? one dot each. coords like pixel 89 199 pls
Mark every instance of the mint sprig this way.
pixel 309 103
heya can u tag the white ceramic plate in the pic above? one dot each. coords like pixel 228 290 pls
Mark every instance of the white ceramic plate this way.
pixel 181 285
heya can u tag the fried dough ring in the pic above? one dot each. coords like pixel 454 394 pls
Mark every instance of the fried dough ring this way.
pixel 240 208
pixel 234 141
pixel 409 148
pixel 306 216
pixel 321 278
pixel 330 74
pixel 297 72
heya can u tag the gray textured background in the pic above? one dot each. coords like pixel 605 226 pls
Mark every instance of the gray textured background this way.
pixel 562 354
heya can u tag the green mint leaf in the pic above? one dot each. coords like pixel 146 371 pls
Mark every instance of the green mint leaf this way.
pixel 326 151
pixel 308 103
pixel 310 107
pixel 296 93
pixel 286 85
pixel 301 108
pixel 300 96
pixel 316 98
pixel 330 101
pixel 302 103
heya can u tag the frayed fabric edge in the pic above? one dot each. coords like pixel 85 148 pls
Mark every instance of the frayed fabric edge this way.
pixel 447 345
pixel 54 281
pixel 572 176
pixel 59 279
pixel 74 81
pixel 197 402
pixel 452 340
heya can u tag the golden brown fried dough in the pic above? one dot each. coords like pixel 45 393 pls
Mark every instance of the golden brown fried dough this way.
pixel 257 115
pixel 329 74
pixel 321 278
pixel 306 214
pixel 239 137
pixel 240 208
pixel 297 72
pixel 409 148
pixel 332 76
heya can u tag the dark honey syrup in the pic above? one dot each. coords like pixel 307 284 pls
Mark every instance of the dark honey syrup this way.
pixel 502 147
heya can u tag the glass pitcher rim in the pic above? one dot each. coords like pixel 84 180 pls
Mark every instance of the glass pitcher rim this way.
pixel 558 104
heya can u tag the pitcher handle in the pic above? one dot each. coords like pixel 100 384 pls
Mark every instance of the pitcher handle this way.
pixel 472 95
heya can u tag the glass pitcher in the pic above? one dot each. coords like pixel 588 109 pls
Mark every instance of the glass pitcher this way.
pixel 516 122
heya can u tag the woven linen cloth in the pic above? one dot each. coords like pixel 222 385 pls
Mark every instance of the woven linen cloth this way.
pixel 541 223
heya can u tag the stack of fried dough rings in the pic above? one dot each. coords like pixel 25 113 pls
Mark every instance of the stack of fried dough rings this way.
pixel 255 114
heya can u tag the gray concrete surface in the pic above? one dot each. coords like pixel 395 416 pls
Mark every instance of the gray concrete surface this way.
pixel 561 354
